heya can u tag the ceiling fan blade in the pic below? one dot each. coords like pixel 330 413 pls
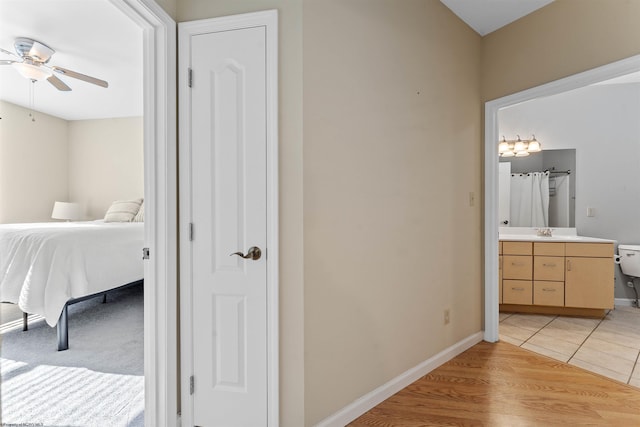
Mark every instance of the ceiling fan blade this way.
pixel 58 84
pixel 80 76
pixel 7 52
pixel 7 61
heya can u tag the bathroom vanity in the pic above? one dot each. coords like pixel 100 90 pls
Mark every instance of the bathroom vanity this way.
pixel 558 274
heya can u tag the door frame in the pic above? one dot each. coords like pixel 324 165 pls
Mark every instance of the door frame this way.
pixel 268 19
pixel 595 75
pixel 160 192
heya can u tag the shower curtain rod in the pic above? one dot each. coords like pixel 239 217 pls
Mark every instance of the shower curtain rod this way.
pixel 567 172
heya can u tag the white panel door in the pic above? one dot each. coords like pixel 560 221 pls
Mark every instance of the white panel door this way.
pixel 228 164
pixel 504 186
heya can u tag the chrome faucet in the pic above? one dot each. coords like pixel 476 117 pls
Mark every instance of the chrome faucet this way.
pixel 545 232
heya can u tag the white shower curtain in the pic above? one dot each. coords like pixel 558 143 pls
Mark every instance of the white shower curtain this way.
pixel 530 199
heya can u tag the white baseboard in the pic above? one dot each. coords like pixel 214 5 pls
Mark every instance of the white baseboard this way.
pixel 624 302
pixel 385 391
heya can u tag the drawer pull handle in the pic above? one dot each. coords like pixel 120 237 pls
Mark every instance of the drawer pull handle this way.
pixel 548 265
pixel 568 265
pixel 517 264
pixel 548 290
pixel 517 289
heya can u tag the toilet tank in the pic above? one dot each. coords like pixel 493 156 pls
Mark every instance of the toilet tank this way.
pixel 630 259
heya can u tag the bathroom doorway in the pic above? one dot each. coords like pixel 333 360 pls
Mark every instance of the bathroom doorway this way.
pixel 494 109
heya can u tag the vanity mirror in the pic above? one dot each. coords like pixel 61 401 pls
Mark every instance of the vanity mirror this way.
pixel 538 190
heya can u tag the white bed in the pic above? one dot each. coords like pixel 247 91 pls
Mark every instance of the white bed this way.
pixel 44 265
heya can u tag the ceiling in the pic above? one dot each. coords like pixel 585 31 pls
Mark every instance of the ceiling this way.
pixel 91 37
pixel 486 16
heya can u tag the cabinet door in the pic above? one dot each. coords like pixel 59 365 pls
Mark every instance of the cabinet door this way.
pixel 517 267
pixel 589 282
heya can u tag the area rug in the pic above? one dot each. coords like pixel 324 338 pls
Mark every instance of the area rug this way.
pixel 98 381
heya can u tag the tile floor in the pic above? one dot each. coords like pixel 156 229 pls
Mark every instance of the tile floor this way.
pixel 609 346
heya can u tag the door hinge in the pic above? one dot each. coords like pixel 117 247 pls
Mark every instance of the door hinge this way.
pixel 145 253
pixel 190 231
pixel 190 78
pixel 191 384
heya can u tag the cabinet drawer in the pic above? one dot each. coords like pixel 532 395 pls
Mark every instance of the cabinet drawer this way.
pixel 517 292
pixel 603 250
pixel 517 248
pixel 548 268
pixel 549 249
pixel 548 293
pixel 517 267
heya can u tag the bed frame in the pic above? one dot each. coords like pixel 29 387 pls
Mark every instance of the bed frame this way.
pixel 63 324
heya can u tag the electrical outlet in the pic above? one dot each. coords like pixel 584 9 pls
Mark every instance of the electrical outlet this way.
pixel 447 316
pixel 591 212
pixel 472 199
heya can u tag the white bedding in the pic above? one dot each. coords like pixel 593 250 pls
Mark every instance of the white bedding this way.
pixel 44 265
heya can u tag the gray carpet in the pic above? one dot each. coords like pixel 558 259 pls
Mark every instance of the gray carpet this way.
pixel 98 382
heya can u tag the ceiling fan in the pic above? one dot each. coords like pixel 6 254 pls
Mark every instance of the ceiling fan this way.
pixel 32 58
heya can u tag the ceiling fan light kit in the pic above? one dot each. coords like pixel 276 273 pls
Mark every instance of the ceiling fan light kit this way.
pixel 31 72
pixel 31 62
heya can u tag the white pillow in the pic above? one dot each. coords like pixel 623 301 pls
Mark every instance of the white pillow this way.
pixel 140 215
pixel 122 210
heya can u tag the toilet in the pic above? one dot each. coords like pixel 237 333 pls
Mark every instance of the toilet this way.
pixel 630 259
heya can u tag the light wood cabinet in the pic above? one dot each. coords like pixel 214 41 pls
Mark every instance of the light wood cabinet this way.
pixel 519 267
pixel 548 274
pixel 517 273
pixel 548 268
pixel 548 248
pixel 500 272
pixel 589 275
pixel 517 292
pixel 517 248
pixel 589 282
pixel 548 293
pixel 556 277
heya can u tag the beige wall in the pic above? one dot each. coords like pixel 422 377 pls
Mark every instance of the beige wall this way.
pixel 169 6
pixel 391 152
pixel 93 162
pixel 33 164
pixel 561 39
pixel 106 162
pixel 377 204
pixel 290 157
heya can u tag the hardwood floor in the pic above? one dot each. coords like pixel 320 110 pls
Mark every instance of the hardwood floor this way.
pixel 504 385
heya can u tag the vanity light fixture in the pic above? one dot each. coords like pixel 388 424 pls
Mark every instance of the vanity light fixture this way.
pixel 534 145
pixel 518 147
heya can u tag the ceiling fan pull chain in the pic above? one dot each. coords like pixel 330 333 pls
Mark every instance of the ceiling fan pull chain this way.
pixel 32 100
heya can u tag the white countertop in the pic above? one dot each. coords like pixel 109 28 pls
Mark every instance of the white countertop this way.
pixel 524 234
pixel 534 238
